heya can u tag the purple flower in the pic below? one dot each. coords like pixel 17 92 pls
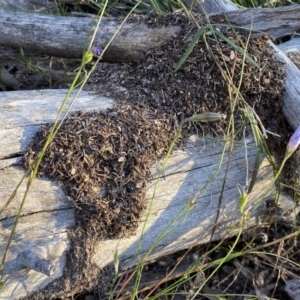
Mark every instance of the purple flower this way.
pixel 97 51
pixel 294 141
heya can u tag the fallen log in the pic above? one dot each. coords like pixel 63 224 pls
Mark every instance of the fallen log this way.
pixel 48 214
pixel 70 36
pixel 41 242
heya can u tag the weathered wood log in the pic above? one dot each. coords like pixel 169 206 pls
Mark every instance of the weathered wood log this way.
pixel 266 20
pixel 290 109
pixel 273 21
pixel 70 36
pixel 47 215
pixel 210 7
pixel 25 5
pixel 292 45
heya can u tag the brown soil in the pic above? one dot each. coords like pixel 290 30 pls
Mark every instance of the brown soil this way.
pixel 102 159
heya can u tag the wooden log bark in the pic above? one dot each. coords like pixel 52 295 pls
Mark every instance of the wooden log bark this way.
pixel 276 22
pixel 70 36
pixel 42 231
pixel 291 99
pixel 211 7
pixel 292 45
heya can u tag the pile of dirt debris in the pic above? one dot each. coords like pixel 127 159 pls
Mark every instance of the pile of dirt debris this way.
pixel 101 160
pixel 207 81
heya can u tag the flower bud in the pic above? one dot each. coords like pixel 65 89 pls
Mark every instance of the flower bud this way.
pixel 293 142
pixel 97 51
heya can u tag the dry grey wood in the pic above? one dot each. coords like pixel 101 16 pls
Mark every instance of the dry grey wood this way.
pixel 210 6
pixel 292 45
pixel 291 98
pixel 48 214
pixel 24 127
pixel 292 287
pixel 276 22
pixel 34 259
pixel 216 6
pixel 69 36
pixel 44 229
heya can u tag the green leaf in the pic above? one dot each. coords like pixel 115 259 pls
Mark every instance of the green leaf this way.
pixel 255 171
pixel 190 48
pixel 205 117
pixel 243 199
pixel 2 283
pixel 87 57
pixel 236 47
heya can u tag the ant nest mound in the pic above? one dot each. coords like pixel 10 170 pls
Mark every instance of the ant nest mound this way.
pixel 101 159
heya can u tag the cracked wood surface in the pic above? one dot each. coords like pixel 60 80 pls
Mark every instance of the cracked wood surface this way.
pixel 48 213
pixel 69 36
pixel 291 98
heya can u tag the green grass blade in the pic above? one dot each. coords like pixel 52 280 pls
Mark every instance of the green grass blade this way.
pixel 190 48
pixel 156 6
pixel 255 171
pixel 235 46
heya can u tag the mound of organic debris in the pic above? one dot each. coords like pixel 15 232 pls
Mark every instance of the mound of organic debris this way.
pixel 101 159
pixel 202 82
